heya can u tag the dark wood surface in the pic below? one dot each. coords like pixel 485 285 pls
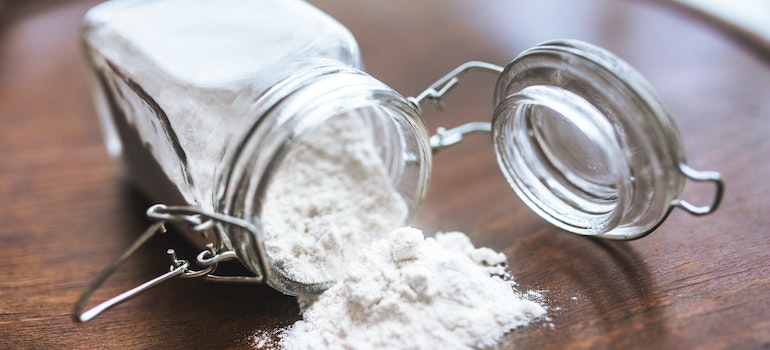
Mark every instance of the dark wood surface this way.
pixel 697 282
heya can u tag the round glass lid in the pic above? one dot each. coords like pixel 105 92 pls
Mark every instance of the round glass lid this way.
pixel 585 142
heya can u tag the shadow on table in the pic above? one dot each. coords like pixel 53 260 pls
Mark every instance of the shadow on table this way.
pixel 184 311
pixel 598 293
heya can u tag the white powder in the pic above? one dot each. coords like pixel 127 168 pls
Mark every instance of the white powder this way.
pixel 406 292
pixel 331 214
pixel 330 198
pixel 212 42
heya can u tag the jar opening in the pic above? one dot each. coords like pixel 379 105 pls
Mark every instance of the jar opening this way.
pixel 337 149
pixel 338 188
pixel 560 155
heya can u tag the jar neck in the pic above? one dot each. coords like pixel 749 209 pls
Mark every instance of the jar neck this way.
pixel 297 105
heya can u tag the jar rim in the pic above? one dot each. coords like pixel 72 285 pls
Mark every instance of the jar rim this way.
pixel 287 113
pixel 646 138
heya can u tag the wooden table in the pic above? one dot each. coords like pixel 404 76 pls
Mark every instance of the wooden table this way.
pixel 697 282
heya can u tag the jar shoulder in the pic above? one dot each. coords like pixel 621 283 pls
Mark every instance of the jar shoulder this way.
pixel 210 43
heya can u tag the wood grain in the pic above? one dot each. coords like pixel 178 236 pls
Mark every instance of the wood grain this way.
pixel 697 282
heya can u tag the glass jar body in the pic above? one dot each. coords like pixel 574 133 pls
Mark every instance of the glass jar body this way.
pixel 173 94
pixel 202 101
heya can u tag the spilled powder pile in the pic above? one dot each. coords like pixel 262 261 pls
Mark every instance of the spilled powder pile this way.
pixel 332 214
pixel 407 292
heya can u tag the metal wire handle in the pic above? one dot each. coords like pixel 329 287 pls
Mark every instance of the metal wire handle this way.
pixel 435 93
pixel 701 176
pixel 209 259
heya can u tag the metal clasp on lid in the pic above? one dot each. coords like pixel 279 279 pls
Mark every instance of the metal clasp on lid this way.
pixel 701 176
pixel 199 221
pixel 445 138
pixel 435 93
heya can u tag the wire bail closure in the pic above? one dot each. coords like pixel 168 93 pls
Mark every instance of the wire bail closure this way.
pixel 701 176
pixel 199 221
pixel 435 94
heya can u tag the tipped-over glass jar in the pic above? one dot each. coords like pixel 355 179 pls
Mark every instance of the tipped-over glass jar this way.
pixel 203 101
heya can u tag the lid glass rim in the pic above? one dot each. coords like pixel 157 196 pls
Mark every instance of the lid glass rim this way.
pixel 639 118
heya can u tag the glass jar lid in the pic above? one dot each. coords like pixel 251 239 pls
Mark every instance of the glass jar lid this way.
pixel 585 142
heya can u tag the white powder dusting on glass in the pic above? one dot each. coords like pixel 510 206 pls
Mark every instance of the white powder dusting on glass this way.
pixel 331 213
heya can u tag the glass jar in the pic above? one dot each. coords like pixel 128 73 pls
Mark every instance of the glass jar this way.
pixel 187 102
pixel 204 106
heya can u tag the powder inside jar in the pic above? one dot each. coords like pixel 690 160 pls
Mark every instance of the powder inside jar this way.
pixel 330 198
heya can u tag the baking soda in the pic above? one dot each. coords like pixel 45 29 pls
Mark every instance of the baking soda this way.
pixel 331 214
pixel 407 292
pixel 331 197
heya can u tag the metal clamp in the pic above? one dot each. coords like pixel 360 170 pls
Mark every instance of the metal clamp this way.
pixel 701 176
pixel 199 221
pixel 445 138
pixel 435 93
